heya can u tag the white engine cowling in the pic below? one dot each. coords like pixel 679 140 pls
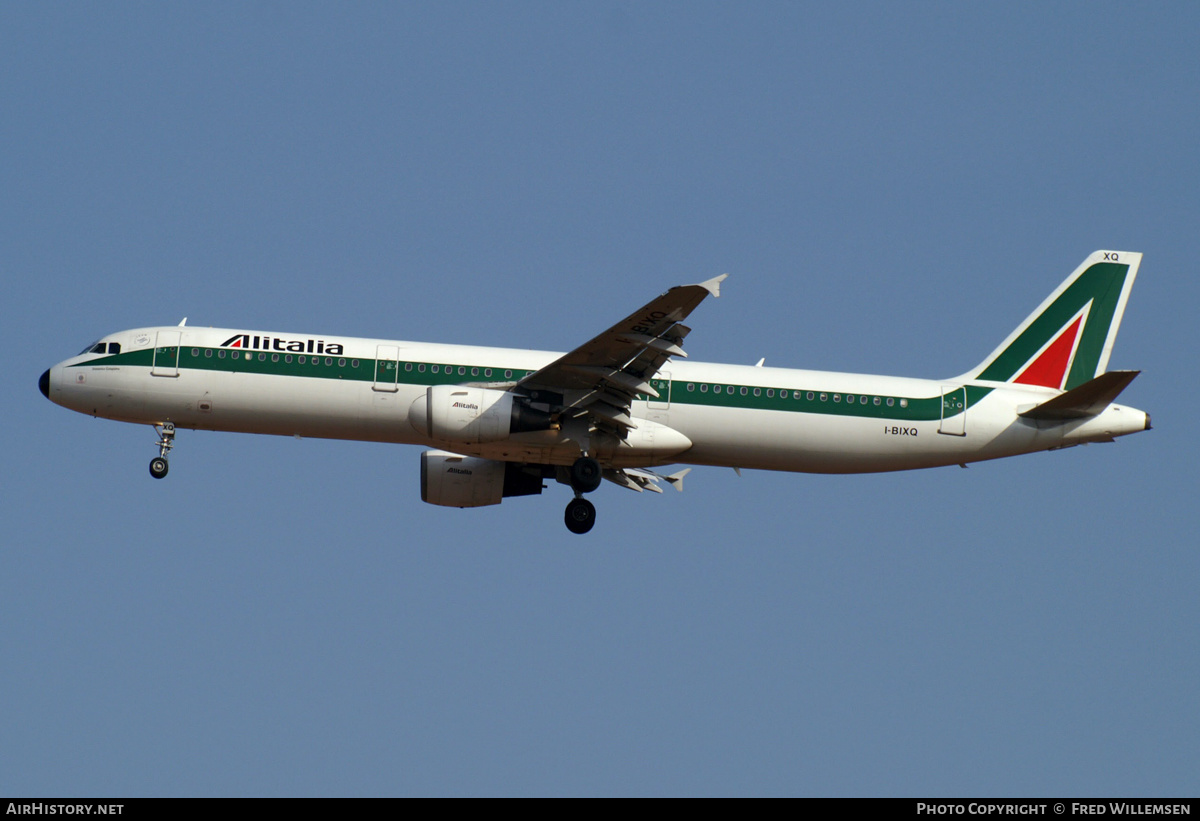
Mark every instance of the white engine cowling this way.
pixel 451 480
pixel 472 415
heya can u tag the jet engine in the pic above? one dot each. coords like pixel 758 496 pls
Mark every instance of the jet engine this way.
pixel 472 415
pixel 451 480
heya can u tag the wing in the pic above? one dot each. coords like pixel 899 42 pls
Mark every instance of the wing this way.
pixel 601 378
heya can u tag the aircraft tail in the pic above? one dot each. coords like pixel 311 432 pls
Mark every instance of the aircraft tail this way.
pixel 1067 341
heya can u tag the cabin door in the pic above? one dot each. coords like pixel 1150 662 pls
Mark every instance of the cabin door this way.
pixel 661 383
pixel 387 368
pixel 166 354
pixel 954 411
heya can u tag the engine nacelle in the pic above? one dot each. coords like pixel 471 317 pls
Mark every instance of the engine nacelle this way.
pixel 457 413
pixel 451 480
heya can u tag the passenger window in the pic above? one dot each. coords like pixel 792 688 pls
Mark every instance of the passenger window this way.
pixel 703 388
pixel 434 368
pixel 408 366
pixel 891 401
pixel 904 403
pixel 274 357
pixel 808 396
pixel 208 353
pixel 770 392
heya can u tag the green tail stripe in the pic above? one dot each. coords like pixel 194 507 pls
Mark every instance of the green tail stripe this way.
pixel 1101 284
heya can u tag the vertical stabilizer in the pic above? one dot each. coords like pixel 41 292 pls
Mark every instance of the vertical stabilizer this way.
pixel 1067 341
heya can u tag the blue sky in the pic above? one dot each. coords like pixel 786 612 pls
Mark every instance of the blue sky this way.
pixel 891 187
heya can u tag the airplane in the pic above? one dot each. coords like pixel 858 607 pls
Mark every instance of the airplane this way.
pixel 501 421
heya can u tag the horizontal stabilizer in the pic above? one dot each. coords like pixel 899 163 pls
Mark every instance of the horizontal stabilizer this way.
pixel 1089 399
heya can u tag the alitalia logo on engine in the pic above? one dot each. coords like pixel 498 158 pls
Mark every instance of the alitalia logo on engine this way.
pixel 274 343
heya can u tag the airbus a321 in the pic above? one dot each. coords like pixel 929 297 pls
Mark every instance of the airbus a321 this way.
pixel 500 422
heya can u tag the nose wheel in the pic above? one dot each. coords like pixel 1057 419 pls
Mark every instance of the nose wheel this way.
pixel 166 441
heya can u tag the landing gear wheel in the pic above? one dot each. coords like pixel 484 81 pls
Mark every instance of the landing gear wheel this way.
pixel 585 474
pixel 580 516
pixel 158 467
pixel 166 441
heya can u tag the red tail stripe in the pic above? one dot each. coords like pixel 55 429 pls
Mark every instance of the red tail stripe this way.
pixel 1050 369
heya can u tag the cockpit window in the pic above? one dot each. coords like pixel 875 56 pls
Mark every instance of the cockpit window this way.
pixel 102 347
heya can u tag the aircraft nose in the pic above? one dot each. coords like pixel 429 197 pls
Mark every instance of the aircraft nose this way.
pixel 44 383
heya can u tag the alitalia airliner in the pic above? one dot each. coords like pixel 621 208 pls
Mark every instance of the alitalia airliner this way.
pixel 500 422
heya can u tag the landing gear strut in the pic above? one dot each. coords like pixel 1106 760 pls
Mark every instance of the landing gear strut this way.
pixel 166 441
pixel 586 474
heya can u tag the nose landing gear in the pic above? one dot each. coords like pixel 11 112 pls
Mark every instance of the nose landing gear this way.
pixel 586 474
pixel 166 441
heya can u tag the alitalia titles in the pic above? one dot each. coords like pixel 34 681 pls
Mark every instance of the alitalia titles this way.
pixel 274 343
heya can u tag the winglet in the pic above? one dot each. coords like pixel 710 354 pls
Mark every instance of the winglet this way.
pixel 713 286
pixel 183 323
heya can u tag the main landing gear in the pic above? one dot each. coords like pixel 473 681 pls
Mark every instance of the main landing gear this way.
pixel 586 474
pixel 166 441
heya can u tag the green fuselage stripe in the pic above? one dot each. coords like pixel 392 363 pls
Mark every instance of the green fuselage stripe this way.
pixel 710 394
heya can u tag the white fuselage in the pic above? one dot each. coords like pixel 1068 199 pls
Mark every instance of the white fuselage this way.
pixel 706 414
